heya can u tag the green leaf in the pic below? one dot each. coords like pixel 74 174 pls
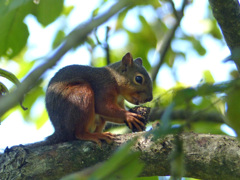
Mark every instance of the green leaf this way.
pixel 7 6
pixel 9 112
pixel 233 106
pixel 198 47
pixel 41 120
pixel 166 120
pixel 58 39
pixel 215 31
pixel 154 3
pixel 170 57
pixel 208 77
pixel 146 40
pixel 98 8
pixel 129 169
pixel 13 32
pixel 67 10
pixel 147 31
pixel 95 11
pixel 165 128
pixel 184 95
pixel 120 19
pixel 48 10
pixel 25 67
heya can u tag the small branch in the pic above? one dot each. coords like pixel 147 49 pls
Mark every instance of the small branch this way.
pixel 192 116
pixel 175 12
pixel 106 46
pixel 76 37
pixel 96 37
pixel 168 38
pixel 205 157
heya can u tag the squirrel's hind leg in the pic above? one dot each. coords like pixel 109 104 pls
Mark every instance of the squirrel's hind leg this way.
pixel 96 137
pixel 100 124
pixel 84 95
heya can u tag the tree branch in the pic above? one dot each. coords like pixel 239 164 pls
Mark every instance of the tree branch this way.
pixel 106 46
pixel 76 37
pixel 227 14
pixel 206 157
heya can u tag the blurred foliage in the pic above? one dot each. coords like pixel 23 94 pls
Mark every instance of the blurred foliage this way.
pixel 11 77
pixel 153 22
pixel 14 32
pixel 233 104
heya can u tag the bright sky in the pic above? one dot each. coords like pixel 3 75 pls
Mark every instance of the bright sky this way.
pixel 14 131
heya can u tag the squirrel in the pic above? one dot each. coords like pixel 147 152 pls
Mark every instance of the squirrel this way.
pixel 80 99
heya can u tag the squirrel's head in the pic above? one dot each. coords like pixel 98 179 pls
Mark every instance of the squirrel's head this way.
pixel 135 83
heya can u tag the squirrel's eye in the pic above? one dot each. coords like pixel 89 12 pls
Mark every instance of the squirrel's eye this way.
pixel 139 79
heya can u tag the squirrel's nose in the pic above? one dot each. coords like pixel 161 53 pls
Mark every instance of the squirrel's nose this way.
pixel 149 98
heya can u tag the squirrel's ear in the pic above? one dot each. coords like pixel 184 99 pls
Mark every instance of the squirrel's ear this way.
pixel 127 60
pixel 138 61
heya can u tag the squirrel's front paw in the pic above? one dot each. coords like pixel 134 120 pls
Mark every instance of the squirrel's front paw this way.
pixel 142 116
pixel 133 122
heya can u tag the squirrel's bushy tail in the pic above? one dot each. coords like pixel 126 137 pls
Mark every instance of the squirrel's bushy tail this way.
pixel 50 140
pixel 56 138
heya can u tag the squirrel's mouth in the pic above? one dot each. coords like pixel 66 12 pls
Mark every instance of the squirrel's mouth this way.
pixel 136 101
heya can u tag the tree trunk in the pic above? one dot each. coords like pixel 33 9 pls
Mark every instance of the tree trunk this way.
pixel 227 14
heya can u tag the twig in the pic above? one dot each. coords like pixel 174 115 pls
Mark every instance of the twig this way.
pixel 106 46
pixel 168 38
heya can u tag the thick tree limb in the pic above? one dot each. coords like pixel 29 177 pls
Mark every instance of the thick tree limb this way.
pixel 206 157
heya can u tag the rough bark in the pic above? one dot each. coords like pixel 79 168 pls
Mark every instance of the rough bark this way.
pixel 227 14
pixel 206 157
